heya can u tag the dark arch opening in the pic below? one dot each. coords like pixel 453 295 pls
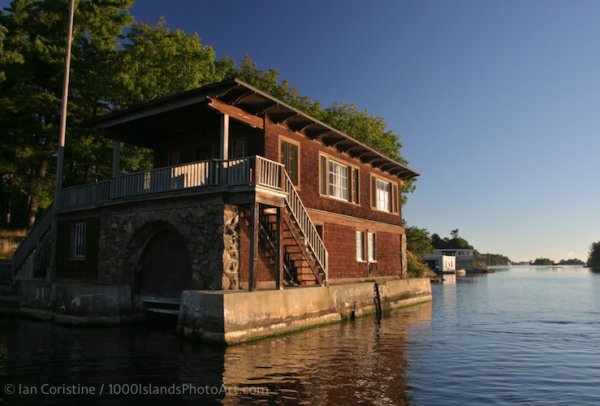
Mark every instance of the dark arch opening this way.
pixel 166 266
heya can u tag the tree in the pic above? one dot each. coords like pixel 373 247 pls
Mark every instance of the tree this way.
pixel 542 261
pixel 455 242
pixel 416 268
pixel 571 261
pixel 31 92
pixel 418 241
pixel 161 62
pixel 594 256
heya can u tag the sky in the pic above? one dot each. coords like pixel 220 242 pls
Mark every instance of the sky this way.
pixel 497 103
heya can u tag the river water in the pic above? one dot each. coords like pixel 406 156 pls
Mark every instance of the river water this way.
pixel 522 335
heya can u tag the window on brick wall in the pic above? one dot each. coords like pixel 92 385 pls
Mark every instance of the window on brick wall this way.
pixel 360 246
pixel 290 159
pixel 78 241
pixel 372 247
pixel 338 180
pixel 384 195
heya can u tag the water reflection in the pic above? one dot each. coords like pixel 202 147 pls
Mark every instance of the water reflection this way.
pixel 360 361
pixel 355 362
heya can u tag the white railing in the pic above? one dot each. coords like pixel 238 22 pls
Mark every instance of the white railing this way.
pixel 235 172
pixel 311 236
pixel 177 177
pixel 33 238
pixel 84 195
pixel 268 173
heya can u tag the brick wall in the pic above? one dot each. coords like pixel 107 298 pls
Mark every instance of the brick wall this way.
pixel 309 176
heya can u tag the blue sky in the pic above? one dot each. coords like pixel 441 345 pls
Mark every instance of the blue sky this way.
pixel 497 102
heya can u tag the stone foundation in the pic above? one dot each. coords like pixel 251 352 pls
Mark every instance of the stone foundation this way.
pixel 210 229
pixel 234 317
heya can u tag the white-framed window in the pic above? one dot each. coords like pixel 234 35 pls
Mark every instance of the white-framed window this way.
pixel 78 241
pixel 360 246
pixel 338 180
pixel 384 195
pixel 372 247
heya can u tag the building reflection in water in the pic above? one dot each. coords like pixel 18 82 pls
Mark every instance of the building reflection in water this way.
pixel 354 362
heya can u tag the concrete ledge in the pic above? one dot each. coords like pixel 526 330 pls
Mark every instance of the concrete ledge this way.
pixel 230 317
pixel 75 303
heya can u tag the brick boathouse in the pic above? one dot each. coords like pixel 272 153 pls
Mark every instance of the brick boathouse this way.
pixel 248 196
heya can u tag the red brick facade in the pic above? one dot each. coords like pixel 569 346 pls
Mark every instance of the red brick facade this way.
pixel 339 235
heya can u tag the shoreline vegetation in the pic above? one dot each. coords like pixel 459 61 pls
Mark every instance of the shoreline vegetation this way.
pixel 421 242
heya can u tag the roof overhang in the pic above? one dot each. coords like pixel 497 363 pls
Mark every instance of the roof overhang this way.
pixel 258 103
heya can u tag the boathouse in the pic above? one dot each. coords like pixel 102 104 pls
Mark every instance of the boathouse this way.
pixel 247 194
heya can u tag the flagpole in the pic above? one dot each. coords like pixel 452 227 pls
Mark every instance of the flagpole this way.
pixel 63 110
pixel 60 156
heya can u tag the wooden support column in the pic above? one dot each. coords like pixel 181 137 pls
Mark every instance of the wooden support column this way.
pixel 279 245
pixel 116 167
pixel 253 244
pixel 224 147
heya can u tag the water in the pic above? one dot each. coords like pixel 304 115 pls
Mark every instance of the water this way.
pixel 519 336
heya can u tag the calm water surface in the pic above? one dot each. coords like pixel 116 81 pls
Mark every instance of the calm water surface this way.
pixel 519 336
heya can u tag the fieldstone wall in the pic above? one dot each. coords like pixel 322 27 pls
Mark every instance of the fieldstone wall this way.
pixel 231 248
pixel 210 230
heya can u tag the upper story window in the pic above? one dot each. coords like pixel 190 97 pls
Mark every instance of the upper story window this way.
pixel 289 153
pixel 78 241
pixel 338 180
pixel 384 195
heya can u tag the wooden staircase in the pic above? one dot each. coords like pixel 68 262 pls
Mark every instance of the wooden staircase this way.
pixel 299 265
pixel 304 254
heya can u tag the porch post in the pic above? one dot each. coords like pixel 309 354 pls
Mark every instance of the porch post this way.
pixel 224 147
pixel 116 167
pixel 279 246
pixel 253 243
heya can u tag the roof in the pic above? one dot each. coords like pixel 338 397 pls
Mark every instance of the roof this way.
pixel 248 98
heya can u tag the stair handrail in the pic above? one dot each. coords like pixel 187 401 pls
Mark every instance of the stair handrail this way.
pixel 313 240
pixel 33 238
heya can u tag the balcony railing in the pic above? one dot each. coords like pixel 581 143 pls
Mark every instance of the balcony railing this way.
pixel 252 171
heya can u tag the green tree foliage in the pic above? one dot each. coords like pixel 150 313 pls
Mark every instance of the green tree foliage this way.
pixel 492 259
pixel 418 241
pixel 455 241
pixel 594 256
pixel 161 62
pixel 31 92
pixel 571 261
pixel 416 267
pixel 542 261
